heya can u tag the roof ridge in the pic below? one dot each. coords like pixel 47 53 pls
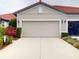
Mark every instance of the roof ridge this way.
pixel 40 0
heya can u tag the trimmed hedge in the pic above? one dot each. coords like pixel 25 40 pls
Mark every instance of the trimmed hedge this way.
pixel 18 32
pixel 64 34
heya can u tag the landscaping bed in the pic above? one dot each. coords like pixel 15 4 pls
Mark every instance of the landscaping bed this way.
pixel 5 43
pixel 73 41
pixel 4 39
pixel 8 34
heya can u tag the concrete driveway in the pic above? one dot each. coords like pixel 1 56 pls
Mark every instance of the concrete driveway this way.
pixel 39 48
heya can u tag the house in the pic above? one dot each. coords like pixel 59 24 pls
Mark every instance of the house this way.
pixel 5 18
pixel 43 20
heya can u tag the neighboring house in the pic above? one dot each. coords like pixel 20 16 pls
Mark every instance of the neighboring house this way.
pixel 4 19
pixel 44 20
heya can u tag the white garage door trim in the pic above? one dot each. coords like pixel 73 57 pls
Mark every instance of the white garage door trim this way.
pixel 40 19
pixel 58 20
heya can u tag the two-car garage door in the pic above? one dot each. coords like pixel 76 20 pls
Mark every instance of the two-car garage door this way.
pixel 40 29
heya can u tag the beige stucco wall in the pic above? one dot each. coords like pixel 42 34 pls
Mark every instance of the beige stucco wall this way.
pixel 75 16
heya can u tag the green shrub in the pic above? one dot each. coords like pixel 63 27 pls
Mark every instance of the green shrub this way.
pixel 1 36
pixel 1 43
pixel 76 45
pixel 1 30
pixel 18 32
pixel 64 34
pixel 9 40
pixel 12 22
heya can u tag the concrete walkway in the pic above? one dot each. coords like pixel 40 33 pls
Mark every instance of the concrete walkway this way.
pixel 39 48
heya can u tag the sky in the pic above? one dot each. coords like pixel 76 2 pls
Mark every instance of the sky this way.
pixel 9 6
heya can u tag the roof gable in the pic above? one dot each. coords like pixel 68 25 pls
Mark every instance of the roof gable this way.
pixel 33 5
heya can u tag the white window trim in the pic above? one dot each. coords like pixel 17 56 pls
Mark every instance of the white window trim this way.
pixel 70 20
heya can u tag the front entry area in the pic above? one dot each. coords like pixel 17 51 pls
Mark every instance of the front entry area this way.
pixel 40 29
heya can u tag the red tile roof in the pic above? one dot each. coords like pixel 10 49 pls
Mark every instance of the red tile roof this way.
pixel 67 9
pixel 8 16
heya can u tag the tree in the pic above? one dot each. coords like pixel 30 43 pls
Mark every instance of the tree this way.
pixel 12 23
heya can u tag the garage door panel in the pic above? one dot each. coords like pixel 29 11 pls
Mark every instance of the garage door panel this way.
pixel 40 29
